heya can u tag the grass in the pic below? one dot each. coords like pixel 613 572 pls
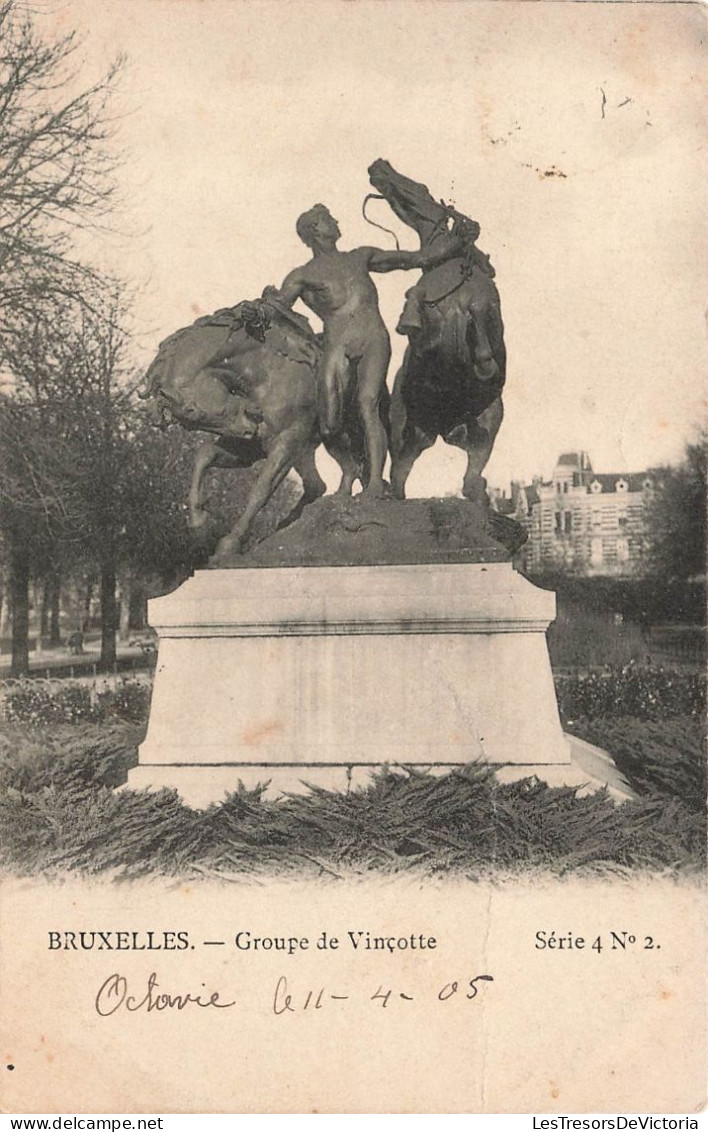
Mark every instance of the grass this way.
pixel 587 638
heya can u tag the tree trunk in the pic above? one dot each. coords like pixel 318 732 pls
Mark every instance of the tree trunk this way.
pixel 88 596
pixel 19 589
pixel 54 609
pixel 109 611
pixel 138 607
pixel 124 623
pixel 5 607
pixel 44 615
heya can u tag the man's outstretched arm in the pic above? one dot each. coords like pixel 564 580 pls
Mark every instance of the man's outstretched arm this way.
pixel 455 243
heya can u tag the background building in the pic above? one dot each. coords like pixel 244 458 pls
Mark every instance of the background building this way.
pixel 582 522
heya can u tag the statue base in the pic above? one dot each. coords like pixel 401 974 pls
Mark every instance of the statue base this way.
pixel 321 675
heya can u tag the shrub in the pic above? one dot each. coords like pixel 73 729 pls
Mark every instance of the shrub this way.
pixel 35 703
pixel 59 756
pixel 660 758
pixel 463 822
pixel 644 693
pixel 129 701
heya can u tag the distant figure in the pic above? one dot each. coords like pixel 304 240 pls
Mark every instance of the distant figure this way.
pixel 75 643
pixel 337 286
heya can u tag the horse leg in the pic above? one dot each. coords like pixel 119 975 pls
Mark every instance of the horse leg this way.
pixel 205 458
pixel 414 442
pixel 476 438
pixel 217 452
pixel 275 467
pixel 313 486
pixel 485 366
pixel 341 450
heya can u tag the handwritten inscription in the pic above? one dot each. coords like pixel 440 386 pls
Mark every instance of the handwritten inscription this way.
pixel 284 1001
pixel 114 995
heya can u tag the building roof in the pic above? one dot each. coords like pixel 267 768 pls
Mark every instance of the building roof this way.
pixel 608 480
pixel 569 460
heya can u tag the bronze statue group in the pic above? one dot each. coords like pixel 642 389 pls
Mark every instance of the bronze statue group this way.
pixel 267 389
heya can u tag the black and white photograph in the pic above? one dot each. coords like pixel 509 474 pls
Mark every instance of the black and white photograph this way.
pixel 352 556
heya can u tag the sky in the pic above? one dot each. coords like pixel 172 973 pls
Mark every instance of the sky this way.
pixel 573 133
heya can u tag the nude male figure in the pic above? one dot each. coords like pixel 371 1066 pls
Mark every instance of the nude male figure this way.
pixel 337 286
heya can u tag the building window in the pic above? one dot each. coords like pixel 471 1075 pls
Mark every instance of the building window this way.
pixel 568 522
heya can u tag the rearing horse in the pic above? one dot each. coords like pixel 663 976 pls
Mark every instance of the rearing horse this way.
pixel 454 368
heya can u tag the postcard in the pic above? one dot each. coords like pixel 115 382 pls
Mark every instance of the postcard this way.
pixel 352 689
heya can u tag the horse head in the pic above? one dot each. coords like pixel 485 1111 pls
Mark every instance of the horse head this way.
pixel 411 201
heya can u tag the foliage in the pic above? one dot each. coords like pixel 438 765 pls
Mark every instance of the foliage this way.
pixel 677 516
pixel 661 758
pixel 87 755
pixel 643 693
pixel 644 601
pixel 130 701
pixel 57 813
pixel 37 703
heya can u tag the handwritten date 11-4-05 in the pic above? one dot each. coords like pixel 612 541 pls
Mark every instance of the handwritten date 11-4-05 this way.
pixel 286 1001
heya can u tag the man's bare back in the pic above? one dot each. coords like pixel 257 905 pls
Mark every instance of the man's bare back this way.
pixel 338 287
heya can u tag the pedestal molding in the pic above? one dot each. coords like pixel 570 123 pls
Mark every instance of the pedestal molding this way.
pixel 352 628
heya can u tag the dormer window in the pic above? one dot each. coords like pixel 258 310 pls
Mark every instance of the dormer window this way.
pixel 596 487
pixel 621 485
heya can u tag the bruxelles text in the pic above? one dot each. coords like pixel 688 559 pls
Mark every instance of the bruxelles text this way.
pixel 243 941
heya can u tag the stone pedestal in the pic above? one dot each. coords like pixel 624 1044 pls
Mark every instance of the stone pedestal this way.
pixel 322 674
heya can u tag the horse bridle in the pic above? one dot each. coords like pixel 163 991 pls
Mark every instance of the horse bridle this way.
pixel 449 213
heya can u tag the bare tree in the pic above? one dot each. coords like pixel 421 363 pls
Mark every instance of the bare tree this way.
pixel 57 177
pixel 57 169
